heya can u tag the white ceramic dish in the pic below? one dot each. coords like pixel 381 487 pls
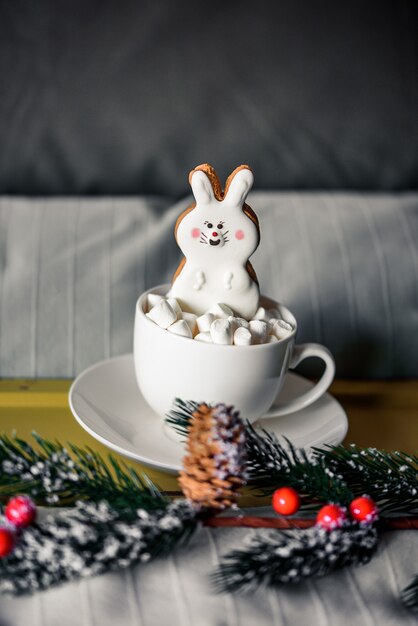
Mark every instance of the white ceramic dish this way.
pixel 107 403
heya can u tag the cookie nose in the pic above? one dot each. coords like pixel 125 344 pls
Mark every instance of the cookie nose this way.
pixel 214 234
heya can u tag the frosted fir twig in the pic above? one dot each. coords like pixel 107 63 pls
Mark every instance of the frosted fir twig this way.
pixel 49 473
pixel 181 414
pixel 272 464
pixel 289 557
pixel 410 594
pixel 91 539
pixel 390 478
pixel 334 473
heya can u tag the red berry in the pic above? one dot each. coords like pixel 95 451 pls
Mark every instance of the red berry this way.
pixel 330 516
pixel 286 501
pixel 363 509
pixel 7 541
pixel 21 511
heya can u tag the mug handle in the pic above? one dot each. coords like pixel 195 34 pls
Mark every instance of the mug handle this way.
pixel 303 351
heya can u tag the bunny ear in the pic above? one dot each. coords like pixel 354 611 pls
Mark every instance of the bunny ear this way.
pixel 202 187
pixel 238 185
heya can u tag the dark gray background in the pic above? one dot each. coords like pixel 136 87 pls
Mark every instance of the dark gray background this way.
pixel 124 97
pixel 114 97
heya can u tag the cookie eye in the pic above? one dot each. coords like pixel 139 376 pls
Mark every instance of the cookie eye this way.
pixel 209 225
pixel 220 226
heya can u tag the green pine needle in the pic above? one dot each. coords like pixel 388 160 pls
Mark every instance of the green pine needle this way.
pixel 335 473
pixel 282 557
pixel 272 465
pixel 410 594
pixel 390 478
pixel 180 416
pixel 50 474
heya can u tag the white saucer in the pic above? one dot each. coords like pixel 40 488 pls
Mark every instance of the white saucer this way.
pixel 107 403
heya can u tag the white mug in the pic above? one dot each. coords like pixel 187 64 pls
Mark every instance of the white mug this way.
pixel 169 366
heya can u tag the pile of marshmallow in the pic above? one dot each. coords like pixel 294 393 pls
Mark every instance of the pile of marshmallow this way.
pixel 218 325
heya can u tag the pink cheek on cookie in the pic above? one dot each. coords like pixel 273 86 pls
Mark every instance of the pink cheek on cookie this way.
pixel 195 233
pixel 239 234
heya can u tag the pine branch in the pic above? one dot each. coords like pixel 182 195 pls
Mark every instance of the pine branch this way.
pixel 410 594
pixel 50 474
pixel 272 465
pixel 289 557
pixel 334 474
pixel 92 539
pixel 390 478
pixel 181 414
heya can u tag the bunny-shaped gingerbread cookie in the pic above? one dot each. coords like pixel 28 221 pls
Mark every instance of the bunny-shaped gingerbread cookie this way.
pixel 217 235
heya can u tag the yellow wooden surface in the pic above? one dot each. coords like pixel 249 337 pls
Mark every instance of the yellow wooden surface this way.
pixel 381 414
pixel 42 406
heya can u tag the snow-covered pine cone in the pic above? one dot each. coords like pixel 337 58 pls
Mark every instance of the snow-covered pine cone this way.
pixel 214 466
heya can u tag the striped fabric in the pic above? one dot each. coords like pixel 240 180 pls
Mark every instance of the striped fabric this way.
pixel 177 592
pixel 71 270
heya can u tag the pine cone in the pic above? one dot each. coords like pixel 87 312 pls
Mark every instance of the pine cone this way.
pixel 214 466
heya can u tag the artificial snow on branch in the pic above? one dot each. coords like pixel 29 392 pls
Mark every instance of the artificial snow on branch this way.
pixel 291 556
pixel 90 539
pixel 410 594
pixel 49 473
pixel 333 473
pixel 120 517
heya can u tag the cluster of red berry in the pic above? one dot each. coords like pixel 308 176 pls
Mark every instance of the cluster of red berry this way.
pixel 286 501
pixel 20 512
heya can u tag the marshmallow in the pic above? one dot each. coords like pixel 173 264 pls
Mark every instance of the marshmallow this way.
pixel 162 314
pixel 242 337
pixel 237 322
pixel 182 328
pixel 203 337
pixel 258 329
pixel 218 325
pixel 153 299
pixel 221 332
pixel 282 329
pixel 271 324
pixel 261 314
pixel 272 339
pixel 221 310
pixel 175 306
pixel 204 322
pixel 190 318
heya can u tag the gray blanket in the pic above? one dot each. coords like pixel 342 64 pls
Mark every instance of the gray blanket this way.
pixel 71 270
pixel 177 592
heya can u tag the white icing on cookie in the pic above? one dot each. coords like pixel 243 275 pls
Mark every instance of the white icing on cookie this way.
pixel 217 238
pixel 199 282
pixel 228 280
